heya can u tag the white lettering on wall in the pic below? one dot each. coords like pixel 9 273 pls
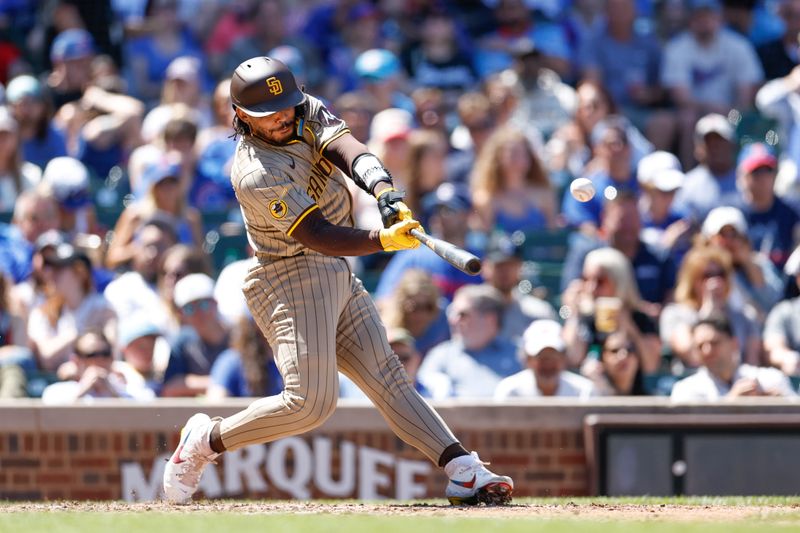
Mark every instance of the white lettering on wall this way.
pixel 363 471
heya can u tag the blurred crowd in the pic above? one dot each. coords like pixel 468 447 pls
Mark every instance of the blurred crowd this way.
pixel 123 252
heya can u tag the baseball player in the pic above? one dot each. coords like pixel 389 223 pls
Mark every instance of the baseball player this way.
pixel 288 177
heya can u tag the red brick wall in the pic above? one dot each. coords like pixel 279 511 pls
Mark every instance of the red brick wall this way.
pixel 114 451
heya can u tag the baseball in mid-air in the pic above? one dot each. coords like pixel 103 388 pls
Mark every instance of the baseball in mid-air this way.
pixel 582 189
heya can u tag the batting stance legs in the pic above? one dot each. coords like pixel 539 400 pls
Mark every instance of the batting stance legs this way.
pixel 319 319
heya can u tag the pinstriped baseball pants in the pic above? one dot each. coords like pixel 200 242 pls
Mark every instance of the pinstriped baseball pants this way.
pixel 318 319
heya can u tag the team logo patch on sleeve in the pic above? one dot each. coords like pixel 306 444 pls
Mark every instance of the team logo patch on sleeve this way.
pixel 278 209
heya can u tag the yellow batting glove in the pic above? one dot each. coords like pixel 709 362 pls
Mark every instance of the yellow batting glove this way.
pixel 398 236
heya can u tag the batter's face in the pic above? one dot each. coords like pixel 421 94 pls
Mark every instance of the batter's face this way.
pixel 277 128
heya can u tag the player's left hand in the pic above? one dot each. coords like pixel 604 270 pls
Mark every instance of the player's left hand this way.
pixel 392 207
pixel 398 236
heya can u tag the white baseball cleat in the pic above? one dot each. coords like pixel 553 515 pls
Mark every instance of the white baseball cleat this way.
pixel 184 468
pixel 472 483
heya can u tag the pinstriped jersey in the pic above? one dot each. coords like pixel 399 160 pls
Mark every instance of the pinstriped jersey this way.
pixel 277 186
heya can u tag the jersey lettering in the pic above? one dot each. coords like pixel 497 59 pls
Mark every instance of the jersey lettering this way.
pixel 318 180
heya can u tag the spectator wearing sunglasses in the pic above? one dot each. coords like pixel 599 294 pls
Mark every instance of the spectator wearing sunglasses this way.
pixel 202 338
pixel 617 370
pixel 98 375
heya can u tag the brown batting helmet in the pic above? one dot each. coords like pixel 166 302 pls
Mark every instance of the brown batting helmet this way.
pixel 262 86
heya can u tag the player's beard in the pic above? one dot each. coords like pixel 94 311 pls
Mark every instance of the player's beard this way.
pixel 280 134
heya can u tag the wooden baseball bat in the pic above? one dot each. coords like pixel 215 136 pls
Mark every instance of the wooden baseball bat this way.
pixel 458 257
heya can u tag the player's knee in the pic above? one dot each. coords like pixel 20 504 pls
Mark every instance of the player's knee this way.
pixel 313 411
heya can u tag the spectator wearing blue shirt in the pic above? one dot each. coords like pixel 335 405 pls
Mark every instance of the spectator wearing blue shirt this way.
pixel 35 213
pixel 478 357
pixel 32 109
pixel 199 343
pixel 772 224
pixel 515 21
pixel 628 62
pixel 712 182
pixel 611 170
pixel 247 368
pixel 620 228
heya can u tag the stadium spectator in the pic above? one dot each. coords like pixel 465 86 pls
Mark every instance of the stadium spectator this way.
pixel 546 102
pixel 342 64
pixel 357 110
pixel 476 123
pixel 712 182
pixel 511 190
pixel 477 357
pixel 16 174
pixel 200 341
pixel 514 21
pixel 757 283
pixel 71 308
pixel 71 55
pixel 611 169
pixel 144 348
pixel 103 126
pixel 97 375
pixel 606 300
pixel 617 369
pixel 782 327
pixel 178 262
pixel 221 119
pixel 543 353
pixel 181 92
pixel 779 56
pixel 380 75
pixel 270 30
pixel 705 281
pixel 147 57
pixel 69 181
pixel 708 69
pixel 445 212
pixel 426 165
pixel 247 368
pixel 164 200
pixel 620 228
pixel 721 376
pixel 773 226
pixel 663 227
pixel 33 110
pixel 231 302
pixel 440 59
pixel 627 63
pixel 416 304
pixel 502 269
pixel 136 290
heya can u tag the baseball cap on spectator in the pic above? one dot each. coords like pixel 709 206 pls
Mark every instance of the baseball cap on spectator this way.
pixel 401 335
pixel 756 155
pixel 712 5
pixel 361 11
pixel 21 87
pixel 50 239
pixel 192 288
pixel 668 180
pixel 542 334
pixel 157 172
pixel 653 163
pixel 715 123
pixel 719 217
pixel 70 44
pixel 447 195
pixel 390 124
pixel 186 68
pixel 377 65
pixel 68 178
pixel 7 121
pixel 135 327
pixel 524 47
pixel 65 255
pixel 501 247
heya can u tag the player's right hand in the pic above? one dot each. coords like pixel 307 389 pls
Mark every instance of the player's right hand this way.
pixel 398 236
